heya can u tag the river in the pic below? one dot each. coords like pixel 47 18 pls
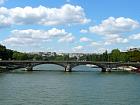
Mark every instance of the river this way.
pixel 50 85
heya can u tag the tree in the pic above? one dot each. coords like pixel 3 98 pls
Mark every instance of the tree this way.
pixel 134 56
pixel 37 57
pixel 115 55
pixel 94 58
pixel 105 56
pixel 9 54
pixel 59 58
pixel 124 57
pixel 2 48
pixel 66 57
pixel 83 58
pixel 2 52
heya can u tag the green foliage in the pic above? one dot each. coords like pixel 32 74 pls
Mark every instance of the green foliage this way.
pixel 82 58
pixel 134 55
pixel 19 56
pixel 114 56
pixel 59 58
pixel 37 57
pixel 5 54
pixel 105 56
pixel 124 57
pixel 66 57
pixel 2 48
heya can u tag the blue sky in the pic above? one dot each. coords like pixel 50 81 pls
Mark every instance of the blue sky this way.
pixel 89 26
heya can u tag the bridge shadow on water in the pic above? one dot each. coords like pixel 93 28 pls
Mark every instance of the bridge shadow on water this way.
pixel 84 68
pixel 49 68
pixel 57 68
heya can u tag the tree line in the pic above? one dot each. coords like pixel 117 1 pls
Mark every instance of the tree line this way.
pixel 114 56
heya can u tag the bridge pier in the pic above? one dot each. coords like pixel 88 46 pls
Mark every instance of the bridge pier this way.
pixel 106 69
pixel 3 69
pixel 103 69
pixel 68 68
pixel 29 68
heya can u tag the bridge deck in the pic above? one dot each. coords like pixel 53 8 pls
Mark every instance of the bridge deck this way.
pixel 93 62
pixel 49 61
pixel 68 65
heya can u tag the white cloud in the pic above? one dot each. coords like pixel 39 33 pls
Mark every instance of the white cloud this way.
pixel 96 44
pixel 78 48
pixel 83 31
pixel 4 22
pixel 135 36
pixel 14 41
pixel 84 39
pixel 113 30
pixel 67 38
pixel 115 26
pixel 132 47
pixel 113 39
pixel 117 40
pixel 33 37
pixel 100 50
pixel 68 14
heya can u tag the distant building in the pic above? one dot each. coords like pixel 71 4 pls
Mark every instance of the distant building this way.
pixel 60 54
pixel 134 49
pixel 77 55
pixel 49 54
pixel 46 54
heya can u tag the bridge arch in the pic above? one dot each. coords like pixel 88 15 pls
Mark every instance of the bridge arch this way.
pixel 79 64
pixel 86 67
pixel 52 63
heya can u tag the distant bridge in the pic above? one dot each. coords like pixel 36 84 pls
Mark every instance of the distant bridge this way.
pixel 68 65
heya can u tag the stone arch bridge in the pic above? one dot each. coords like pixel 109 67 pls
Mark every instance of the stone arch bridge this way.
pixel 68 65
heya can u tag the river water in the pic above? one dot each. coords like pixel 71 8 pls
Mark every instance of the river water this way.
pixel 50 85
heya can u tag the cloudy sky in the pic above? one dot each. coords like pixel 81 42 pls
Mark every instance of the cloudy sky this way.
pixel 69 25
